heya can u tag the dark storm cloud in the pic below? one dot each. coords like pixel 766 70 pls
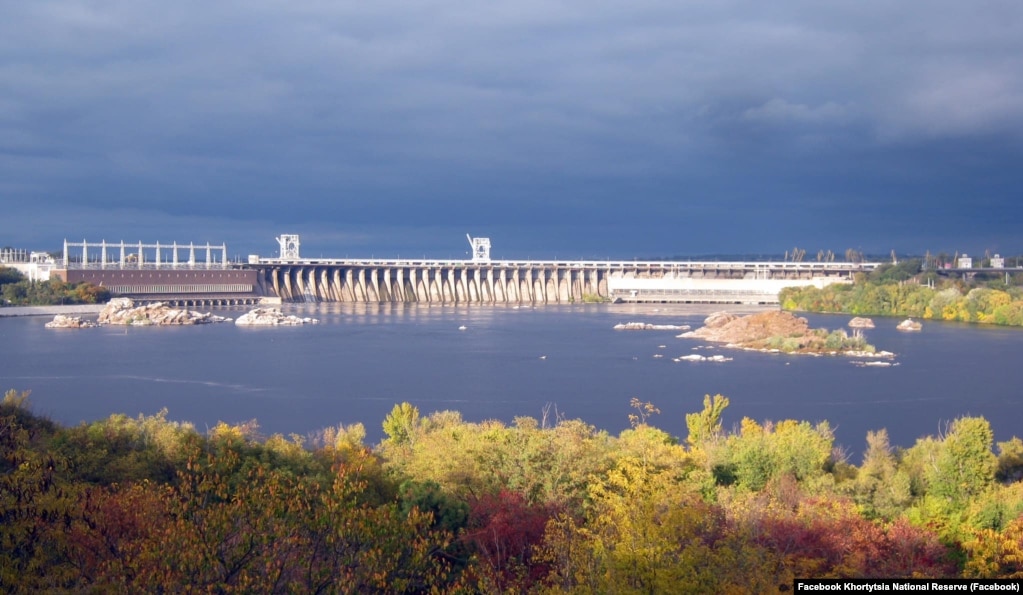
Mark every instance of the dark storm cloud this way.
pixel 641 128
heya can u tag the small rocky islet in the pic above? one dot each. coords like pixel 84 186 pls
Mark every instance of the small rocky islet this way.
pixel 63 321
pixel 781 332
pixel 861 323
pixel 909 325
pixel 272 317
pixel 646 326
pixel 124 312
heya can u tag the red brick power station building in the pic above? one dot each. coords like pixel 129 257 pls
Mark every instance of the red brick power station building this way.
pixel 157 272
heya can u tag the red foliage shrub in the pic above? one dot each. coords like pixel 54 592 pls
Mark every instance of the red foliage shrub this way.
pixel 503 528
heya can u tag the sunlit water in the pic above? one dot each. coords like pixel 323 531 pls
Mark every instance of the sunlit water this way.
pixel 506 362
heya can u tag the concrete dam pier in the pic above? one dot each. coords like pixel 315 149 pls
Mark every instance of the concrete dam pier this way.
pixel 541 282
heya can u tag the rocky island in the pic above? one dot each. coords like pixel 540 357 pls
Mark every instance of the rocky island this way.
pixel 909 325
pixel 646 326
pixel 62 321
pixel 702 358
pixel 860 323
pixel 123 311
pixel 272 317
pixel 780 332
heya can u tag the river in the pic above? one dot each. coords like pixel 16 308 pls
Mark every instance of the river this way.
pixel 506 362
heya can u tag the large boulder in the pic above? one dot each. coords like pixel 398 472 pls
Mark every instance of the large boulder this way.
pixel 719 319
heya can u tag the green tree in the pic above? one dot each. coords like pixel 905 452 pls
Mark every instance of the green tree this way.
pixel 881 490
pixel 36 504
pixel 1010 460
pixel 641 534
pixel 706 425
pixel 760 453
pixel 9 275
pixel 121 449
pixel 965 465
pixel 402 424
pixel 750 459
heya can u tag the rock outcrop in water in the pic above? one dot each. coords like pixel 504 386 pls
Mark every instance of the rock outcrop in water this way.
pixel 62 321
pixel 122 311
pixel 719 319
pixel 777 331
pixel 860 322
pixel 725 327
pixel 272 317
pixel 703 358
pixel 645 326
pixel 909 325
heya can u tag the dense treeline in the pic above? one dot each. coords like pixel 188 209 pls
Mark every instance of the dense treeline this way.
pixel 15 290
pixel 897 291
pixel 444 505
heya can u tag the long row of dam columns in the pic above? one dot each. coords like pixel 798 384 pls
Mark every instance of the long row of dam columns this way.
pixel 470 283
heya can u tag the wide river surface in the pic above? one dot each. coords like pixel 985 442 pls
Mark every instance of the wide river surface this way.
pixel 506 362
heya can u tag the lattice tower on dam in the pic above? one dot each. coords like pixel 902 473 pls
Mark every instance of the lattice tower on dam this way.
pixel 485 281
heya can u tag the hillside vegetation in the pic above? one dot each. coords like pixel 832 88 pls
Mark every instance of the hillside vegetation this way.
pixel 16 290
pixel 543 506
pixel 898 291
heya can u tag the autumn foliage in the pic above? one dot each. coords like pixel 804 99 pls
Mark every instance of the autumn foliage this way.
pixel 504 531
pixel 449 506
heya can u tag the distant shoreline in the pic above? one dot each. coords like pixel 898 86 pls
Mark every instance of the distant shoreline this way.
pixel 9 311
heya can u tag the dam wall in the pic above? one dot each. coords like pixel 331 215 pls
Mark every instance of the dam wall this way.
pixel 541 282
pixel 190 274
pixel 466 283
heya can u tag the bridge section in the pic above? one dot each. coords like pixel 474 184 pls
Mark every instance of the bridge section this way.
pixel 539 282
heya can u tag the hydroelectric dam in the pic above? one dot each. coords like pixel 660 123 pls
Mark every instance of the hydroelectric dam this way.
pixel 481 280
pixel 189 274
